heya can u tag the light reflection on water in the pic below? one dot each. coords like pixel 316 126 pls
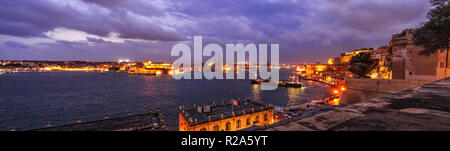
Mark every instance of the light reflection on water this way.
pixel 256 91
pixel 293 95
pixel 29 100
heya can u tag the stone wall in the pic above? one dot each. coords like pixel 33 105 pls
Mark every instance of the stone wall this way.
pixel 423 108
pixel 359 90
pixel 440 71
pixel 407 62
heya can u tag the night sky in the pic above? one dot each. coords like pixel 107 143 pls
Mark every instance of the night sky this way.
pixel 108 30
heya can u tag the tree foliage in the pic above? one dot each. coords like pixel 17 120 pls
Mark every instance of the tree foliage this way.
pixel 435 33
pixel 362 64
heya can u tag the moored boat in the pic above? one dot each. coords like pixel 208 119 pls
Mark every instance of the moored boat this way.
pixel 289 83
pixel 259 81
pixel 292 82
pixel 256 81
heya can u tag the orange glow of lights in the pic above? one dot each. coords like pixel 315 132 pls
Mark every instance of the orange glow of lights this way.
pixel 330 61
pixel 299 69
pixel 178 72
pixel 320 67
pixel 334 102
pixel 225 68
pixel 343 88
pixel 374 76
pixel 335 91
pixel 170 72
pixel 159 72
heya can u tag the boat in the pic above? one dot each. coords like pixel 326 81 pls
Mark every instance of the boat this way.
pixel 259 81
pixel 289 83
pixel 256 81
pixel 292 82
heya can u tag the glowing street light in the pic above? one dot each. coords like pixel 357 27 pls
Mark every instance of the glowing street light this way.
pixel 336 91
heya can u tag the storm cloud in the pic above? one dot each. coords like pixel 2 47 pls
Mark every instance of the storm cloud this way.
pixel 106 30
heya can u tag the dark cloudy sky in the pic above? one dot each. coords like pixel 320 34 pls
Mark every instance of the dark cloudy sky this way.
pixel 108 30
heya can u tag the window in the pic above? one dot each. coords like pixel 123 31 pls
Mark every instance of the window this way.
pixel 216 128
pixel 203 129
pixel 248 122
pixel 228 126
pixel 265 117
pixel 257 119
pixel 238 124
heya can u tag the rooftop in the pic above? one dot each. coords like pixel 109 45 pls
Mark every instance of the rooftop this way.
pixel 206 113
pixel 423 108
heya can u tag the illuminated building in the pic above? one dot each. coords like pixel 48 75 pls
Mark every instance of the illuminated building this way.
pixel 225 116
pixel 331 61
pixel 157 65
pixel 332 74
pixel 123 60
pixel 383 70
pixel 347 56
pixel 149 67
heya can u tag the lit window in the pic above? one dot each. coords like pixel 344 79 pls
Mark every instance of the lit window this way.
pixel 265 117
pixel 228 126
pixel 238 124
pixel 216 127
pixel 248 122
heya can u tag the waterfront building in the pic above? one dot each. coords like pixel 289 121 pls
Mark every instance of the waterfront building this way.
pixel 227 116
pixel 345 57
pixel 149 67
pixel 383 70
pixel 335 71
pixel 333 74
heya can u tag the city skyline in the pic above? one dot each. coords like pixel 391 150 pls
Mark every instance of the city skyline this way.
pixel 94 30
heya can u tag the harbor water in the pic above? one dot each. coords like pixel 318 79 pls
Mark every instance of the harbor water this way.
pixel 30 100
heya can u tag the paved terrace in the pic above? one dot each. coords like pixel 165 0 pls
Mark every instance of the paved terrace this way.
pixel 147 122
pixel 222 110
pixel 426 107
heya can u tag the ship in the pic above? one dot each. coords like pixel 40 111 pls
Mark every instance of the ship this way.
pixel 291 82
pixel 256 81
pixel 259 81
